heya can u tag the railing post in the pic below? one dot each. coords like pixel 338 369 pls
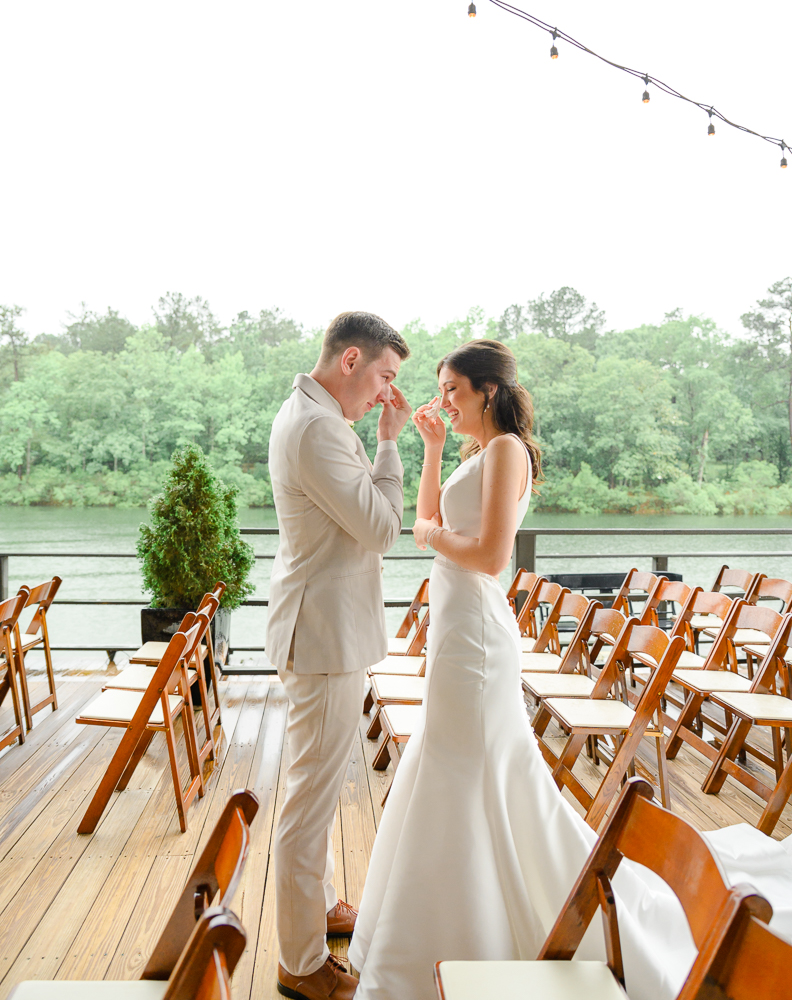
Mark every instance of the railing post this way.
pixel 524 556
pixel 3 577
pixel 659 564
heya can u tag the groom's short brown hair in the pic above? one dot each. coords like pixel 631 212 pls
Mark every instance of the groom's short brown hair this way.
pixel 364 330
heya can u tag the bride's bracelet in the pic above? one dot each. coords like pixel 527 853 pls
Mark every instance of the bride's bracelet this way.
pixel 430 536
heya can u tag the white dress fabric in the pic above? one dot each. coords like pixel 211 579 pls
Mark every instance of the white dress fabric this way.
pixel 477 849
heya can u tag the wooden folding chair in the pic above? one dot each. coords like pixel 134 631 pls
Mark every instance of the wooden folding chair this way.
pixel 40 597
pixel 601 716
pixel 10 610
pixel 142 715
pixel 137 677
pixel 546 652
pixel 718 675
pixel 150 653
pixel 398 724
pixel 735 583
pixel 701 605
pixel 634 583
pixel 572 679
pixel 767 590
pixel 411 619
pixel 392 689
pixel 544 593
pixel 522 585
pixel 203 971
pixel 761 706
pixel 213 881
pixel 650 836
pixel 664 592
pixel 414 640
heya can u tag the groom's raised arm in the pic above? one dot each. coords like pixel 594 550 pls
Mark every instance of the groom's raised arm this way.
pixel 368 505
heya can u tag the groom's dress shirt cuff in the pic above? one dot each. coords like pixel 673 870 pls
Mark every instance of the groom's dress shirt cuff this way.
pixel 386 446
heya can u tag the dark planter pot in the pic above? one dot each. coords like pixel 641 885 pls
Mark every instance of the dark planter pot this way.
pixel 161 624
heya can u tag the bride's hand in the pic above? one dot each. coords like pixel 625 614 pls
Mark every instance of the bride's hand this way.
pixel 431 428
pixel 421 529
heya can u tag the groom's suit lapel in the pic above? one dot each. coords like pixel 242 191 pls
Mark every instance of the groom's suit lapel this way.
pixel 321 396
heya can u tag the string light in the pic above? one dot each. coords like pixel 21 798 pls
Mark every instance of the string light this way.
pixel 472 10
pixel 646 77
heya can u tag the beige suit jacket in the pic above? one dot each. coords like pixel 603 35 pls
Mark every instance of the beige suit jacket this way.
pixel 337 516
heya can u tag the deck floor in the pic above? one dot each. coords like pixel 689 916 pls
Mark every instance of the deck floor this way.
pixel 91 906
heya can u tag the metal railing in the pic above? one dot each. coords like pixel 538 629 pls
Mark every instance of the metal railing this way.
pixel 524 556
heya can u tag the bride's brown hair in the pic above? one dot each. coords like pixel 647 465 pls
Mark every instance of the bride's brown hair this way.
pixel 488 362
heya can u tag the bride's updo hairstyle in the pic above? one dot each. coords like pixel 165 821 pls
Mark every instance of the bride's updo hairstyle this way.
pixel 488 362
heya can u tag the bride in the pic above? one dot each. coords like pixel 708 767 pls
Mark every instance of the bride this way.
pixel 477 849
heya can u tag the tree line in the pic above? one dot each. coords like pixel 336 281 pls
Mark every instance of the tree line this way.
pixel 677 416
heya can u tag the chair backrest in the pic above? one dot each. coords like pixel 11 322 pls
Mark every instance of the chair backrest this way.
pixel 43 595
pixel 705 602
pixel 523 583
pixel 741 615
pixel 752 962
pixel 411 618
pixel 664 590
pixel 568 605
pixel 646 833
pixel 633 581
pixel 205 967
pixel 543 593
pixel 781 590
pixel 217 873
pixel 10 610
pixel 577 656
pixel 736 579
pixel 607 624
pixel 774 659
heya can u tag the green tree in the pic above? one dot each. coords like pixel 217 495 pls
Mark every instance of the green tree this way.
pixel 12 338
pixel 566 315
pixel 89 331
pixel 185 322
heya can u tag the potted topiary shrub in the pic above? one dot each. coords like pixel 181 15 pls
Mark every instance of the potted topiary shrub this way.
pixel 192 543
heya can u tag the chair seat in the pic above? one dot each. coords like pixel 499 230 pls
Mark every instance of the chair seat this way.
pixel 705 621
pixel 558 685
pixel 152 652
pixel 758 706
pixel 399 647
pixel 401 720
pixel 760 650
pixel 544 662
pixel 542 980
pixel 711 680
pixel 690 661
pixel 397 687
pixel 586 713
pixel 99 989
pixel 409 666
pixel 743 636
pixel 120 706
pixel 136 678
pixel 527 643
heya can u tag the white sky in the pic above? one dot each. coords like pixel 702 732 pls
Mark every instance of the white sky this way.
pixel 394 156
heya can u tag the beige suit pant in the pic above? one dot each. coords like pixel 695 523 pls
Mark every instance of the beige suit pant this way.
pixel 324 715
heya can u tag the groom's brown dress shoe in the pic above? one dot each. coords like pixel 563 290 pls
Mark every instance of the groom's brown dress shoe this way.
pixel 341 919
pixel 331 982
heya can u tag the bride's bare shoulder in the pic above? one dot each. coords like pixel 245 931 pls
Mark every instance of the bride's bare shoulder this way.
pixel 506 445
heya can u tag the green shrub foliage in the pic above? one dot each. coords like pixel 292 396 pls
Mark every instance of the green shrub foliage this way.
pixel 193 540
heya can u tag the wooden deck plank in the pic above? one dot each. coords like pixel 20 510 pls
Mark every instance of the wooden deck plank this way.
pixel 92 907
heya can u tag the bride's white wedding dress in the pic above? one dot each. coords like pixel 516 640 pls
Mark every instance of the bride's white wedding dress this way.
pixel 477 849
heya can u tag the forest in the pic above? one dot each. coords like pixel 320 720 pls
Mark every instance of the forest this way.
pixel 676 417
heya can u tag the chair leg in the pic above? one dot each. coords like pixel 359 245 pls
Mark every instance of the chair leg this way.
pixel 662 771
pixel 48 661
pixel 368 702
pixel 208 747
pixel 684 721
pixel 191 739
pixel 174 766
pixel 112 776
pixel 383 756
pixel 775 804
pixel 730 747
pixel 375 728
pixel 135 759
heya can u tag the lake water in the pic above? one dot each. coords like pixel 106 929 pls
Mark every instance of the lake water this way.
pixel 61 530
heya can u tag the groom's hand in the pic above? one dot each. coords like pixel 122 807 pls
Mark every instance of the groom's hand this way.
pixel 395 414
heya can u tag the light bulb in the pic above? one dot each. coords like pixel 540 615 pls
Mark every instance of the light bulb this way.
pixel 554 50
pixel 472 10
pixel 710 129
pixel 645 97
pixel 783 163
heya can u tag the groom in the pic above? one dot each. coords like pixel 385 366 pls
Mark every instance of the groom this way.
pixel 337 516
